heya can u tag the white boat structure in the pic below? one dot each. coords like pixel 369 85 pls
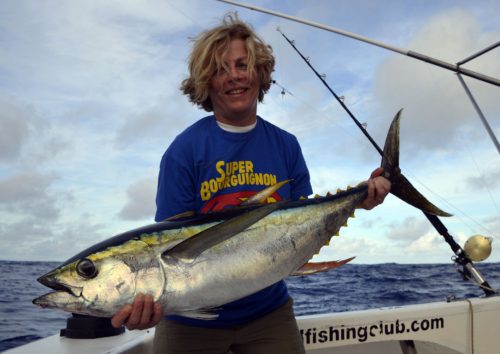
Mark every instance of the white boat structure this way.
pixel 465 326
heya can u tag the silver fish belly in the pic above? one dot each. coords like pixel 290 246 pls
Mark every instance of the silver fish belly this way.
pixel 265 253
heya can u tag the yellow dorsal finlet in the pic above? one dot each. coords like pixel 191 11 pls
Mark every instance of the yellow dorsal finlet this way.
pixel 264 195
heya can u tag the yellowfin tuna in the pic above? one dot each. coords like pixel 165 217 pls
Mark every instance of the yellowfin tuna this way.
pixel 195 265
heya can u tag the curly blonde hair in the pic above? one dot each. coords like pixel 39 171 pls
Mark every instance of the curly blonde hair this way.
pixel 206 59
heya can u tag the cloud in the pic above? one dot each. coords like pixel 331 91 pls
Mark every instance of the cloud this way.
pixel 356 246
pixel 24 187
pixel 29 194
pixel 140 200
pixel 141 126
pixel 426 243
pixel 492 228
pixel 489 180
pixel 409 230
pixel 158 124
pixel 38 239
pixel 88 52
pixel 436 105
pixel 28 139
pixel 89 101
pixel 17 124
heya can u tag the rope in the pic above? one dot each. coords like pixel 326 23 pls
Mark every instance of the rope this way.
pixel 471 314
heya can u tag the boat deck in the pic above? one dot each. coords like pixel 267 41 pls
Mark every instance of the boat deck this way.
pixel 464 326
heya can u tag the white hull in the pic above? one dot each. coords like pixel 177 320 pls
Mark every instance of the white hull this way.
pixel 465 326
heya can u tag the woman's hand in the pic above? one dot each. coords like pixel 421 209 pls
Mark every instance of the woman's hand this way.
pixel 378 188
pixel 142 314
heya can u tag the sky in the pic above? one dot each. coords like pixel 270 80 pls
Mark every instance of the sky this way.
pixel 90 100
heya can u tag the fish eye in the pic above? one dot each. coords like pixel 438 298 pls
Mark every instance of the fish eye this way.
pixel 86 269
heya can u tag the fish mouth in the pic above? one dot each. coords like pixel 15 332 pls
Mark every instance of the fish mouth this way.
pixel 49 281
pixel 63 300
pixel 62 294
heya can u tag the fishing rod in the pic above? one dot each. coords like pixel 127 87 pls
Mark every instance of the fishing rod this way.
pixel 409 53
pixel 461 257
pixel 412 54
pixel 339 100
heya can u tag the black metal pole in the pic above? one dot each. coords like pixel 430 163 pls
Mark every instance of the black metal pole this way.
pixel 481 52
pixel 462 258
pixel 480 114
pixel 408 53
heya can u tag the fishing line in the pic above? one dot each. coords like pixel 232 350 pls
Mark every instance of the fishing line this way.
pixel 409 53
pixel 192 20
pixel 485 184
pixel 339 100
pixel 319 117
pixel 463 216
pixel 460 214
pixel 479 172
pixel 461 257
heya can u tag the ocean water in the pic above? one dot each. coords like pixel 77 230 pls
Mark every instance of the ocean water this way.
pixel 351 287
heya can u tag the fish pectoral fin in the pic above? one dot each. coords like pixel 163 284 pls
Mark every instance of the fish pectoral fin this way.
pixel 320 267
pixel 201 314
pixel 197 244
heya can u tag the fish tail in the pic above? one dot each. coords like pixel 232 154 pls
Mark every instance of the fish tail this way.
pixel 400 186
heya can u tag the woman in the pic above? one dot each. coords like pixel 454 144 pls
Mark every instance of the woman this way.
pixel 217 162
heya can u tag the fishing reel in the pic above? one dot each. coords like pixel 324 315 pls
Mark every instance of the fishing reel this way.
pixel 476 249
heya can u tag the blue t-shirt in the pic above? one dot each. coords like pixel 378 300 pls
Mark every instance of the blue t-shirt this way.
pixel 206 169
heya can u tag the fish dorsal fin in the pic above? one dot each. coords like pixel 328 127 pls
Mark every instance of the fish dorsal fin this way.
pixel 197 244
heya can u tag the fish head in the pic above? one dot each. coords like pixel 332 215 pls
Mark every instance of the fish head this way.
pixel 88 286
pixel 101 283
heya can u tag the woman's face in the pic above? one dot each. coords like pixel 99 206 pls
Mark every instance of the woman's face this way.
pixel 234 92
